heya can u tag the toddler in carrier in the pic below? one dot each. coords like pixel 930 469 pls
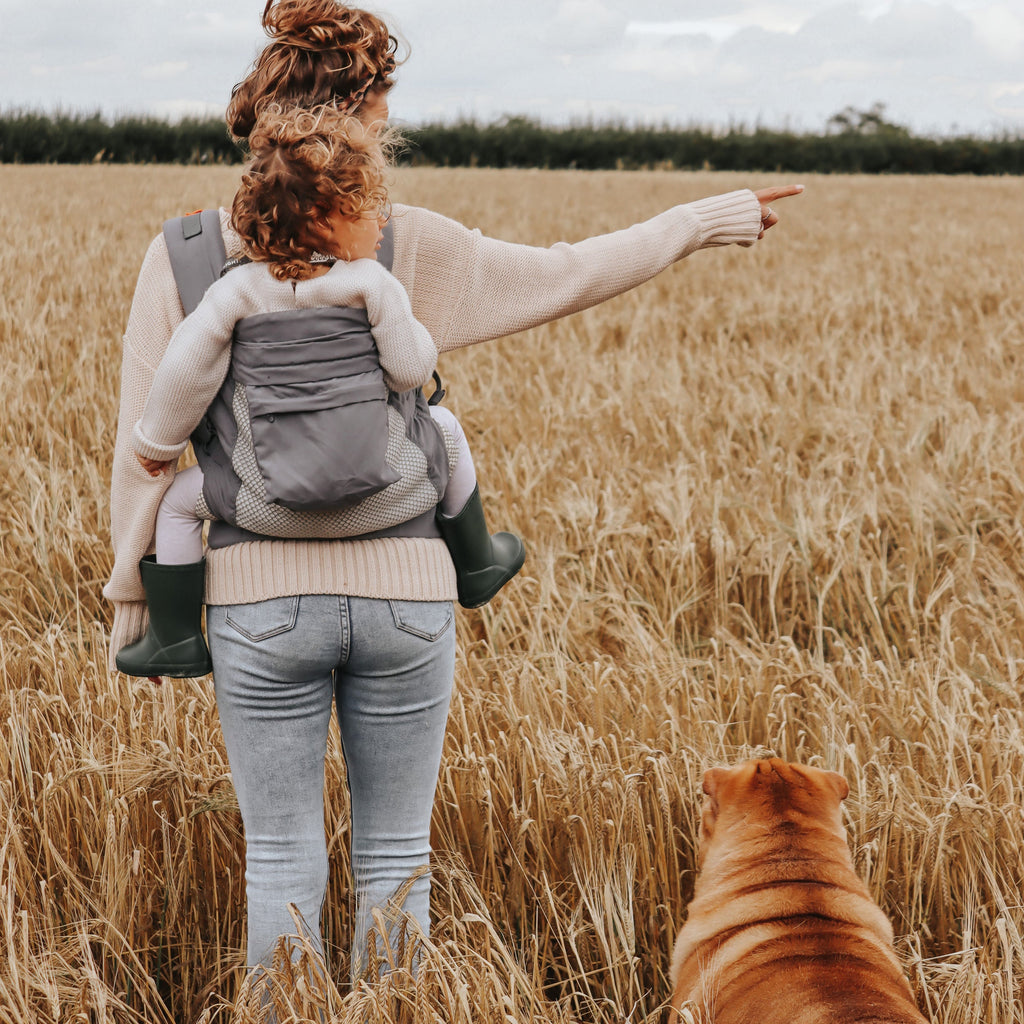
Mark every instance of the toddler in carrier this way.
pixel 303 369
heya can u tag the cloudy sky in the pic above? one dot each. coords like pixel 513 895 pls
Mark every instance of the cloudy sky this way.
pixel 939 66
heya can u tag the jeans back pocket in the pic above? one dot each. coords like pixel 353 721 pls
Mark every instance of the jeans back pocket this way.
pixel 263 619
pixel 426 619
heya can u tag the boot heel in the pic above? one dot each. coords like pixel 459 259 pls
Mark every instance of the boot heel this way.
pixel 483 563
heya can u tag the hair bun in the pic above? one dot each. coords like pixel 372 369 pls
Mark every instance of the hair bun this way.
pixel 320 51
pixel 309 24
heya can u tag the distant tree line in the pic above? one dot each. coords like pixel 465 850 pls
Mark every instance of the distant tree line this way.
pixel 854 141
pixel 28 137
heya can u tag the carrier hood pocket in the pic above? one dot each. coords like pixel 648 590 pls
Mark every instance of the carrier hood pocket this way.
pixel 317 406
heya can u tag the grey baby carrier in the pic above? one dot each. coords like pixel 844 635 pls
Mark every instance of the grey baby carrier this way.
pixel 304 440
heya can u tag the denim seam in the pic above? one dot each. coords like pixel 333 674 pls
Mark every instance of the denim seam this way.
pixel 344 629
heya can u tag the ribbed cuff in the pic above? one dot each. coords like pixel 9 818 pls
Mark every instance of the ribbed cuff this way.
pixel 404 569
pixel 734 217
pixel 151 450
pixel 130 621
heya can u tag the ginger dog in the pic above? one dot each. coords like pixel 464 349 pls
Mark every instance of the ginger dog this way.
pixel 780 929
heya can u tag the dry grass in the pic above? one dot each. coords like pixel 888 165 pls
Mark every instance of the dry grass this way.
pixel 772 503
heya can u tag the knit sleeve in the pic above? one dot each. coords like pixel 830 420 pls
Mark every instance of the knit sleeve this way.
pixel 134 495
pixel 408 355
pixel 466 287
pixel 193 367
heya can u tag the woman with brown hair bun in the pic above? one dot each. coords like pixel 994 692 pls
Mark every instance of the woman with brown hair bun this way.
pixel 366 625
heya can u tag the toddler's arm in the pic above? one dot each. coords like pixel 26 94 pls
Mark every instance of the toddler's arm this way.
pixel 192 369
pixel 408 354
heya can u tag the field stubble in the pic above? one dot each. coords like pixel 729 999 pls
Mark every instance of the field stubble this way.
pixel 771 503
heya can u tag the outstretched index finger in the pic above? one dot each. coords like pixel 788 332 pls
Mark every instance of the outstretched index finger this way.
pixel 776 192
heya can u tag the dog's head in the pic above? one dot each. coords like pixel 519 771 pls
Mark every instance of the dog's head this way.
pixel 766 795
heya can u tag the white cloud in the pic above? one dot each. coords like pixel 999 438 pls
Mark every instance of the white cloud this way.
pixel 786 17
pixel 589 23
pixel 111 63
pixel 165 70
pixel 1001 30
pixel 838 70
pixel 1008 101
pixel 717 31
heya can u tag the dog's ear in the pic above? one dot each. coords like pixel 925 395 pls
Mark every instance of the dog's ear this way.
pixel 833 783
pixel 824 782
pixel 708 810
pixel 712 777
pixel 838 784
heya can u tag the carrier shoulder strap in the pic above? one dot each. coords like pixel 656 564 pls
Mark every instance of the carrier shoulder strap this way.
pixel 386 252
pixel 196 250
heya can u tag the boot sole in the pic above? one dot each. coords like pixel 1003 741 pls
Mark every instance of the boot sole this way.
pixel 165 664
pixel 164 668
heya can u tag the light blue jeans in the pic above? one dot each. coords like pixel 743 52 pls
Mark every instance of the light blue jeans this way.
pixel 278 668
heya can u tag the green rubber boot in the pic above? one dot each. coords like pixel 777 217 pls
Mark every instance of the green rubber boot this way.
pixel 173 645
pixel 483 563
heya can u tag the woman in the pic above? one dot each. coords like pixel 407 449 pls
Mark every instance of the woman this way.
pixel 366 624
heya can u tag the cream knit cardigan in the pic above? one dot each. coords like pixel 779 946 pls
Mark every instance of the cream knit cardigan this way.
pixel 464 288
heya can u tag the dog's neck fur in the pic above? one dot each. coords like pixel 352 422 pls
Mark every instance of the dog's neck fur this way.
pixel 782 850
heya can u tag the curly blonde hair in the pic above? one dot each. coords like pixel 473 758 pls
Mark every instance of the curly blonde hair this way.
pixel 306 164
pixel 321 52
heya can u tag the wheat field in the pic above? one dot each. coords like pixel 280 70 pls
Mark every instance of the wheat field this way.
pixel 771 502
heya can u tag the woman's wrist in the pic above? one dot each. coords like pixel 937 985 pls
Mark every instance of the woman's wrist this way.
pixel 130 620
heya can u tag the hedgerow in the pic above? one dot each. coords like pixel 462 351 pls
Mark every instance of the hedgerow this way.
pixel 853 143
